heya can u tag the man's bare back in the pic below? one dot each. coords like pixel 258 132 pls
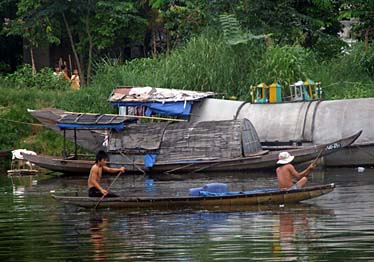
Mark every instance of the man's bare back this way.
pixel 285 173
pixel 95 176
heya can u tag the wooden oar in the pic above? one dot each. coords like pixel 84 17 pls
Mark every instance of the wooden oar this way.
pixel 318 156
pixel 108 189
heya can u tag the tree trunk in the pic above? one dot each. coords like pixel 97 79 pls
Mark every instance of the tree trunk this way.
pixel 154 53
pixel 90 47
pixel 32 60
pixel 366 40
pixel 82 79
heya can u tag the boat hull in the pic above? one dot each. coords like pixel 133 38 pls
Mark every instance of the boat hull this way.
pixel 202 202
pixel 69 166
pixel 57 164
pixel 266 161
pixel 259 162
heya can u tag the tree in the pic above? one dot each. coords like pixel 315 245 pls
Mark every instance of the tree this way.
pixel 363 11
pixel 91 26
pixel 304 22
pixel 34 26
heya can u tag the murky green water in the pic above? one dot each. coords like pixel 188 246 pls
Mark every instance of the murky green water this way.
pixel 335 227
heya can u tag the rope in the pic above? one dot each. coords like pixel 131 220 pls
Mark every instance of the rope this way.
pixel 20 122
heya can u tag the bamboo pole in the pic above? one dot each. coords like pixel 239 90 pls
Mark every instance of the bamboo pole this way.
pixel 132 116
pixel 108 189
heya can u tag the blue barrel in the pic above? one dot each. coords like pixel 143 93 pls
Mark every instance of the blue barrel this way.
pixel 215 188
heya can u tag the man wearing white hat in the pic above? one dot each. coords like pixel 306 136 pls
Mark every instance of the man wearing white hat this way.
pixel 287 171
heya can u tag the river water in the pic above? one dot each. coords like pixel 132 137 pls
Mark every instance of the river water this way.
pixel 335 227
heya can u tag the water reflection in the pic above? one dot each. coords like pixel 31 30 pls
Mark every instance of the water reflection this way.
pixel 335 227
pixel 287 230
pixel 98 238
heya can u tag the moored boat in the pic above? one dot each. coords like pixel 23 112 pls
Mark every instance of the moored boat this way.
pixel 264 160
pixel 217 201
pixel 69 166
pixel 59 164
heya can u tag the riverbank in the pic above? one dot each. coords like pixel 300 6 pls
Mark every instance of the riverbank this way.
pixel 206 63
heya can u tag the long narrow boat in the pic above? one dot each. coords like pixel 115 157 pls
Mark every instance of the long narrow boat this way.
pixel 69 166
pixel 250 198
pixel 261 161
pixel 59 164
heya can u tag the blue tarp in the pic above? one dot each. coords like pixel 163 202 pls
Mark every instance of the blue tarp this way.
pixel 150 160
pixel 91 126
pixel 180 108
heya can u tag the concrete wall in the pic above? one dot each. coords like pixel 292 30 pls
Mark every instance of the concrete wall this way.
pixel 316 122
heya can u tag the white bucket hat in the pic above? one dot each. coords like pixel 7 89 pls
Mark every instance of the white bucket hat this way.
pixel 284 158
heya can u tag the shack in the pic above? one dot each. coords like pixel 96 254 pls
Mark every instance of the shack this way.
pixel 303 123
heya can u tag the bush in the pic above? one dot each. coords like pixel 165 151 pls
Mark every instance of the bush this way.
pixel 44 79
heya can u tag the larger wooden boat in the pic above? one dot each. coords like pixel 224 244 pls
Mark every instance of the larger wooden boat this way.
pixel 264 160
pixel 261 161
pixel 249 198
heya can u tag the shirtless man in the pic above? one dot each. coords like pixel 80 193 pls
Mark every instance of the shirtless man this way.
pixel 287 171
pixel 94 187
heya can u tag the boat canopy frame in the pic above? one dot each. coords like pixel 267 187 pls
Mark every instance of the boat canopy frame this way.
pixel 76 121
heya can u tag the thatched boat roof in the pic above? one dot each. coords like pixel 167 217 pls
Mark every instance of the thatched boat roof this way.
pixel 201 140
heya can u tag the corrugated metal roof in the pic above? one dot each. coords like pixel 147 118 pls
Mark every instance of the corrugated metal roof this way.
pixel 153 94
pixel 94 121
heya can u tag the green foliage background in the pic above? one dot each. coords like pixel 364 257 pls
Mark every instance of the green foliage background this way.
pixel 205 63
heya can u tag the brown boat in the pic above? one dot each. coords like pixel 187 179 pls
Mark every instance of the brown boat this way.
pixel 209 146
pixel 261 161
pixel 69 166
pixel 266 161
pixel 58 164
pixel 220 201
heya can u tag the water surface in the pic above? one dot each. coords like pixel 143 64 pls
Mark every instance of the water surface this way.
pixel 335 227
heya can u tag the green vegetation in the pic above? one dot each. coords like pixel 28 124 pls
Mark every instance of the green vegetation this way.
pixel 221 46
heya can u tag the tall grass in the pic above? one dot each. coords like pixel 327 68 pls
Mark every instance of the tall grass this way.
pixel 19 129
pixel 347 76
pixel 205 63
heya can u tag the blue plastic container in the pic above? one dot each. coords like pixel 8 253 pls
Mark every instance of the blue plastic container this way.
pixel 195 191
pixel 216 188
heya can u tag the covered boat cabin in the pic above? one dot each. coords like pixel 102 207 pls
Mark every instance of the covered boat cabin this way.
pixel 184 141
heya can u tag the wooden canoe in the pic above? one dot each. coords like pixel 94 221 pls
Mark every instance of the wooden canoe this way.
pixel 256 198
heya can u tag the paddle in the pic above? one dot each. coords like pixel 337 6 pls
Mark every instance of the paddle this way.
pixel 318 156
pixel 108 189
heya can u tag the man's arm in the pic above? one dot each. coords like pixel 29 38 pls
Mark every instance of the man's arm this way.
pixel 303 173
pixel 114 170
